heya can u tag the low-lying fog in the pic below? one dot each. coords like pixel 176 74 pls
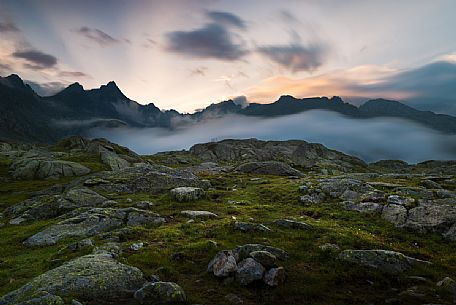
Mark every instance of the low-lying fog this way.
pixel 369 139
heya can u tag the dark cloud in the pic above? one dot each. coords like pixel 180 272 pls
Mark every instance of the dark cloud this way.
pixel 75 74
pixel 46 89
pixel 241 100
pixel 227 19
pixel 8 27
pixel 211 41
pixel 295 57
pixel 36 60
pixel 430 87
pixel 98 36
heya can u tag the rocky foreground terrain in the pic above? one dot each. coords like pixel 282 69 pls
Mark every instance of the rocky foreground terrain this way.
pixel 230 222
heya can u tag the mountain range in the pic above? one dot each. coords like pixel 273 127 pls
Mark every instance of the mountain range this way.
pixel 26 116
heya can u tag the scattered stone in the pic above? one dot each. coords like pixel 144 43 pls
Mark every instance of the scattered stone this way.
pixel 447 283
pixel 275 277
pixel 199 214
pixel 396 199
pixel 396 214
pixel 365 207
pixel 81 245
pixel 17 221
pixel 429 184
pixel 329 247
pixel 160 293
pixel 144 204
pixel 388 261
pixel 286 223
pixel 245 250
pixel 136 246
pixel 223 264
pixel 251 227
pixel 185 194
pixel 233 299
pixel 265 258
pixel 249 271
pixel 314 198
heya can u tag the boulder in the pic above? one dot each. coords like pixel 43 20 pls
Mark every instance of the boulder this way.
pixel 396 214
pixel 161 293
pixel 199 214
pixel 223 264
pixel 265 258
pixel 335 187
pixel 113 160
pixel 46 168
pixel 430 217
pixel 248 271
pixel 87 277
pixel 186 194
pixel 365 207
pixel 92 222
pixel 244 251
pixel 274 277
pixel 268 168
pixel 251 227
pixel 387 261
pixel 291 224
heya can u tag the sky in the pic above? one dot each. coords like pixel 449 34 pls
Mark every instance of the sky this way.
pixel 187 54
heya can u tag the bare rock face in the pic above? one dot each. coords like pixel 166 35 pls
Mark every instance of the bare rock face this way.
pixel 388 261
pixel 145 178
pixel 294 152
pixel 92 222
pixel 96 276
pixel 46 168
pixel 268 168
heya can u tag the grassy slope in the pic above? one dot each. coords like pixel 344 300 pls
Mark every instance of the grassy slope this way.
pixel 314 277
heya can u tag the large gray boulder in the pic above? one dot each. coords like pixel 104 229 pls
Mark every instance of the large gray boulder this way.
pixel 387 261
pixel 248 271
pixel 431 217
pixel 46 168
pixel 87 277
pixel 268 168
pixel 91 222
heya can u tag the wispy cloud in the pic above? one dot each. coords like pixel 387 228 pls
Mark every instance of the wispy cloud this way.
pixel 6 27
pixel 228 19
pixel 98 36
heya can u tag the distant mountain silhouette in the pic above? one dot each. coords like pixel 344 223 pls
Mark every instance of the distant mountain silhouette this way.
pixel 26 116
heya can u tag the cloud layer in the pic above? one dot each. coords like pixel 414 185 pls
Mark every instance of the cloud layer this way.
pixel 371 140
pixel 295 57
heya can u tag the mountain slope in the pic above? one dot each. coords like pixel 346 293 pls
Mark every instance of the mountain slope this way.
pixel 26 116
